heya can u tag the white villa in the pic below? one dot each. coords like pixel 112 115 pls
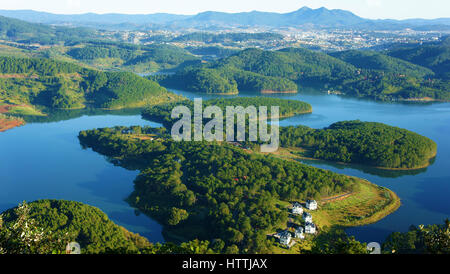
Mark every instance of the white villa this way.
pixel 127 131
pixel 307 217
pixel 285 237
pixel 299 233
pixel 297 209
pixel 310 228
pixel 311 204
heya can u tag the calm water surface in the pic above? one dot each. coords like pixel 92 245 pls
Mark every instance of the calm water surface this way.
pixel 46 161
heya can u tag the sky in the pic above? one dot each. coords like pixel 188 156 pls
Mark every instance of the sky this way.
pixel 374 9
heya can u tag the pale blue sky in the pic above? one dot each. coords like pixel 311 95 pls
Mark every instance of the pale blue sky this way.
pixel 396 9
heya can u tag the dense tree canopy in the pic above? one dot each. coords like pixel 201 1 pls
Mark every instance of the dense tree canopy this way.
pixel 287 108
pixel 359 142
pixel 136 58
pixel 430 239
pixel 21 31
pixel 64 85
pixel 357 73
pixel 72 221
pixel 232 193
pixel 435 56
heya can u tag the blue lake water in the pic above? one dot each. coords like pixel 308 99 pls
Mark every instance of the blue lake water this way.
pixel 44 160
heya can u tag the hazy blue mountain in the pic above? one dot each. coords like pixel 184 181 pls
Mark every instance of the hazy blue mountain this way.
pixel 89 18
pixel 305 16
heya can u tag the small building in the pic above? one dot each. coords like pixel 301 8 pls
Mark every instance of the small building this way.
pixel 307 217
pixel 297 209
pixel 299 233
pixel 127 131
pixel 311 204
pixel 310 228
pixel 285 237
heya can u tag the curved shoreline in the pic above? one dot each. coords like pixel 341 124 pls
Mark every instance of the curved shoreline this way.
pixel 366 165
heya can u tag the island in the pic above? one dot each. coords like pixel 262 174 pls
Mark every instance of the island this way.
pixel 368 143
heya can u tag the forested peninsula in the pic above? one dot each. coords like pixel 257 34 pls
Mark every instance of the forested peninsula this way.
pixel 221 193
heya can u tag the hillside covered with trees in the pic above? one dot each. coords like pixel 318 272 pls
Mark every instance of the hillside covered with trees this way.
pixel 130 57
pixel 24 32
pixel 356 73
pixel 435 56
pixel 368 143
pixel 46 226
pixel 61 85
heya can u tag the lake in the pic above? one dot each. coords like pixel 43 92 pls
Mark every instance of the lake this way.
pixel 44 160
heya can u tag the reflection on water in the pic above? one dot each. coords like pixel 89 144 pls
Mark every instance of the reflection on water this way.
pixel 386 173
pixel 63 115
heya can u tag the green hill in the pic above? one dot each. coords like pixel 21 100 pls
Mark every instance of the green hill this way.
pixel 435 56
pixel 136 58
pixel 61 85
pixel 260 71
pixel 372 60
pixel 21 31
pixel 360 74
pixel 64 221
pixel 357 142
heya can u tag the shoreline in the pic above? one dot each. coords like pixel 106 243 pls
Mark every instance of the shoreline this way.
pixel 280 92
pixel 364 165
pixel 8 123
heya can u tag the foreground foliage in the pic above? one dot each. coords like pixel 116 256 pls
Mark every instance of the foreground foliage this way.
pixel 47 226
pixel 430 239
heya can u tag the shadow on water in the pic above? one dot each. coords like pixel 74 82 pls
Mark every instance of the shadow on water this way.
pixel 384 173
pixel 432 194
pixel 64 115
pixel 375 234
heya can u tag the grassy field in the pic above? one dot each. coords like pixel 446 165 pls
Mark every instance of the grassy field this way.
pixel 368 204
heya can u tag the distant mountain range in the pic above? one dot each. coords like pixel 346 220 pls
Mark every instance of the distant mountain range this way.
pixel 306 17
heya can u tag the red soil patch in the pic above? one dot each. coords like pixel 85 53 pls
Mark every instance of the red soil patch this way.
pixel 4 108
pixel 8 124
